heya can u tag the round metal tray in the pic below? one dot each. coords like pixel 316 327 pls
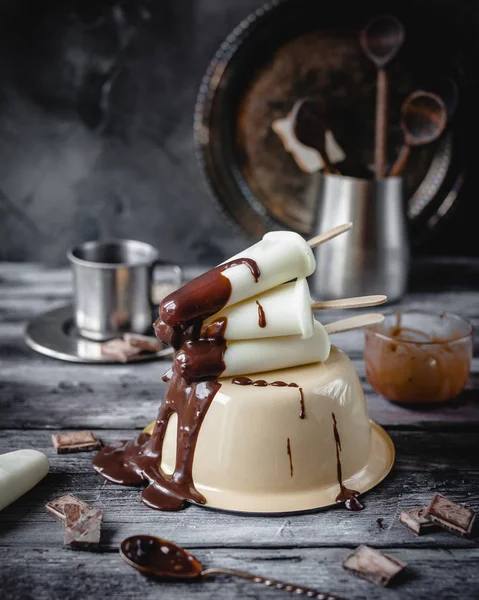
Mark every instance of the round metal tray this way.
pixel 54 334
pixel 291 49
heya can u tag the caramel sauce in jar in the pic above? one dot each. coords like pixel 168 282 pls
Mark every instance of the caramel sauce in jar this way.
pixel 419 357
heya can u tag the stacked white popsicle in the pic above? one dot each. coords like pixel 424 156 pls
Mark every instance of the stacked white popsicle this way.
pixel 270 322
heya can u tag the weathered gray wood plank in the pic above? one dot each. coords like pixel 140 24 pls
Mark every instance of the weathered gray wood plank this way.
pixel 59 574
pixel 43 392
pixel 426 462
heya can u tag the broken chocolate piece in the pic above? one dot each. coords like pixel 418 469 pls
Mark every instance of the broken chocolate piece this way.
pixel 75 441
pixel 373 565
pixel 415 520
pixel 143 342
pixel 56 508
pixel 454 517
pixel 120 350
pixel 82 526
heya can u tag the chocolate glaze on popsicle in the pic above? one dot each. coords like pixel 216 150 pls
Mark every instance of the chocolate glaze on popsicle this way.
pixel 180 323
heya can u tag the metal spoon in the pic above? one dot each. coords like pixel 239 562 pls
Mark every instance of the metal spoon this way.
pixel 423 119
pixel 381 40
pixel 153 556
pixel 309 122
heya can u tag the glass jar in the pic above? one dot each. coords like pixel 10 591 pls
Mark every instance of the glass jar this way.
pixel 416 356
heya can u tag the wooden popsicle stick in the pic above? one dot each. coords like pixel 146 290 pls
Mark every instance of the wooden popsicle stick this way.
pixel 329 235
pixel 357 302
pixel 354 323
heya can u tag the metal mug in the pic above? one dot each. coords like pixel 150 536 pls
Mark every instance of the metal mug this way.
pixel 372 258
pixel 113 287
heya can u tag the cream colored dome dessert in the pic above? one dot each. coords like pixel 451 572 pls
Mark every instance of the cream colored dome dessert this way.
pixel 261 413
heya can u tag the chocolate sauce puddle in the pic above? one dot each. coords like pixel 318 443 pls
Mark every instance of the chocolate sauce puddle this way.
pixel 349 497
pixel 263 383
pixel 288 450
pixel 261 315
pixel 192 387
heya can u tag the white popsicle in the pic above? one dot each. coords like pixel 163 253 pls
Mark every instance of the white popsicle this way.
pixel 281 256
pixel 284 310
pixel 20 470
pixel 268 354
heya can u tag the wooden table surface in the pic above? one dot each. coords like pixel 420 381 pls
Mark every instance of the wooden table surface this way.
pixel 437 451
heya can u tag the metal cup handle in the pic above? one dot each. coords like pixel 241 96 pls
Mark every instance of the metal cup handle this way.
pixel 160 290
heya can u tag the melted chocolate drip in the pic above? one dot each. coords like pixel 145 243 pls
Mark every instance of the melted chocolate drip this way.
pixel 260 383
pixel 242 381
pixel 261 315
pixel 302 412
pixel 203 296
pixel 154 555
pixel 200 359
pixel 192 387
pixel 130 463
pixel 288 450
pixel 263 383
pixel 349 497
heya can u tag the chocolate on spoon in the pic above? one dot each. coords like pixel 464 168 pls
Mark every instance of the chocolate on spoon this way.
pixel 160 558
pixel 310 129
pixel 423 119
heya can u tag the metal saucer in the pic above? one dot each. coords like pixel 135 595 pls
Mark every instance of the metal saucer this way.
pixel 54 334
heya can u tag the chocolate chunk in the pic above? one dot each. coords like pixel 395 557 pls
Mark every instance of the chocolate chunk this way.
pixel 75 441
pixel 415 520
pixel 120 350
pixel 56 508
pixel 454 517
pixel 143 342
pixel 82 526
pixel 373 565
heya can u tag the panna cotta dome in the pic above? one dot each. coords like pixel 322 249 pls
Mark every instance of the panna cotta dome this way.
pixel 255 453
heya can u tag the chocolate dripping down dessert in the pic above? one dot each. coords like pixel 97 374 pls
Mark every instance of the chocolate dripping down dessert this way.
pixel 251 314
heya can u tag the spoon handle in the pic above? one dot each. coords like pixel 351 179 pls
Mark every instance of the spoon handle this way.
pixel 273 583
pixel 401 160
pixel 380 142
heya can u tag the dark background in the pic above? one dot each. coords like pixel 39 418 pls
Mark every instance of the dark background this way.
pixel 96 138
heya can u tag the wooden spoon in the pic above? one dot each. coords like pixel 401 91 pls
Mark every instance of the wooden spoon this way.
pixel 153 556
pixel 309 122
pixel 381 40
pixel 423 119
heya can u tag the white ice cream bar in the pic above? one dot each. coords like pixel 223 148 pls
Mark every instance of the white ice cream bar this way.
pixel 19 472
pixel 243 357
pixel 281 256
pixel 282 311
